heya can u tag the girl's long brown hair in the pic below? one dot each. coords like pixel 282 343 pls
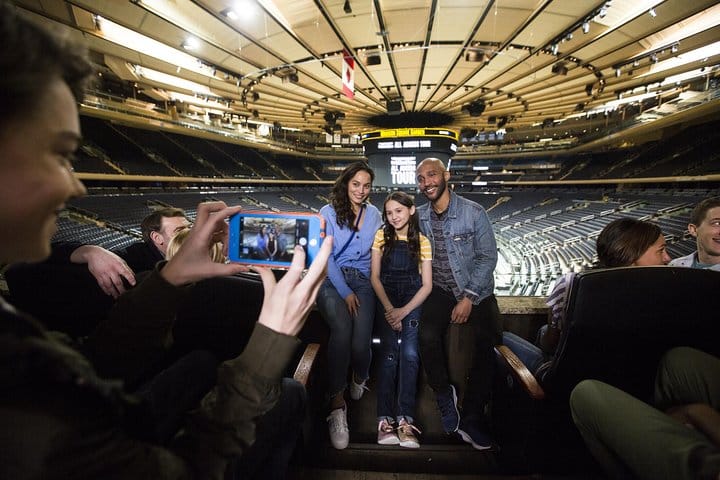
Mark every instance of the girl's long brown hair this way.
pixel 413 233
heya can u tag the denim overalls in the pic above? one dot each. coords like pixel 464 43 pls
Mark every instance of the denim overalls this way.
pixel 398 360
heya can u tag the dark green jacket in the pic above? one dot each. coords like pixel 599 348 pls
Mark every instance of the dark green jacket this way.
pixel 60 419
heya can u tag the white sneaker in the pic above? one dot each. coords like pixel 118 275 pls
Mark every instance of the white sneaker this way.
pixel 338 428
pixel 357 389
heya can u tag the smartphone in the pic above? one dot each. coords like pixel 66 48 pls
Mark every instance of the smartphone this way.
pixel 269 238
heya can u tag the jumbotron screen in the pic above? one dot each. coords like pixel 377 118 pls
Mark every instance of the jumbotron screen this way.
pixel 394 154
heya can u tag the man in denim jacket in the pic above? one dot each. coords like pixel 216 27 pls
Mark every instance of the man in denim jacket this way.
pixel 464 258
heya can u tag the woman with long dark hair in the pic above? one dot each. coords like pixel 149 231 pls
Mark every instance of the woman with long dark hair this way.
pixel 346 300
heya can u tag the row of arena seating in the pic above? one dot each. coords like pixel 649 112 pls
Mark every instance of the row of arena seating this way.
pixel 541 233
pixel 119 149
pixel 115 148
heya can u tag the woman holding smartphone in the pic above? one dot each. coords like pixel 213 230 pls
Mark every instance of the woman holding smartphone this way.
pixel 62 413
pixel 346 300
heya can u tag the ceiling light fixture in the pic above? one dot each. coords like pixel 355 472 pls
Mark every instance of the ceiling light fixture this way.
pixel 586 27
pixel 231 14
pixel 652 12
pixel 190 44
pixel 347 8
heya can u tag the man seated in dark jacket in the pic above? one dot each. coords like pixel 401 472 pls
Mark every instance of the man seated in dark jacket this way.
pixel 115 270
pixel 71 302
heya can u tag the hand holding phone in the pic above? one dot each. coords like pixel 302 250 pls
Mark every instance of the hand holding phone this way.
pixel 269 238
pixel 287 302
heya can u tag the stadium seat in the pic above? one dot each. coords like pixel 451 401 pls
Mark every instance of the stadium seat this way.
pixel 619 322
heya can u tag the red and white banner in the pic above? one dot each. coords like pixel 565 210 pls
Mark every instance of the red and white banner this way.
pixel 348 75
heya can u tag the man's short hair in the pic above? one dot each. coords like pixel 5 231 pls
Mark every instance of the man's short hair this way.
pixel 153 222
pixel 700 211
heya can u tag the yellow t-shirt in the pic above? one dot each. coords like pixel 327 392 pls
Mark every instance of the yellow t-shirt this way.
pixel 425 248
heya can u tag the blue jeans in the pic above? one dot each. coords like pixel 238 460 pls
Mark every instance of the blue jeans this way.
pixel 399 360
pixel 349 342
pixel 528 353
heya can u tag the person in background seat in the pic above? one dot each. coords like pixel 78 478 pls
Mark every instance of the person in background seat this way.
pixel 705 227
pixel 622 243
pixel 111 268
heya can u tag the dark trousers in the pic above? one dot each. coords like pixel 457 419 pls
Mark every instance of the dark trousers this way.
pixel 486 327
pixel 177 389
pixel 276 436
pixel 180 387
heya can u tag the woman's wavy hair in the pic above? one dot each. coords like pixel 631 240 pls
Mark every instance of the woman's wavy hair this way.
pixel 339 195
pixel 624 240
pixel 413 233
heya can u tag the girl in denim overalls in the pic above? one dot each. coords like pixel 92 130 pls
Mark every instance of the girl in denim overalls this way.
pixel 401 276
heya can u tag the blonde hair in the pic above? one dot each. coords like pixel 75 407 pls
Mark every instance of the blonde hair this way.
pixel 216 253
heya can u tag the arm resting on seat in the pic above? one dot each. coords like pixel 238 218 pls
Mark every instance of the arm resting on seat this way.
pixel 302 372
pixel 520 372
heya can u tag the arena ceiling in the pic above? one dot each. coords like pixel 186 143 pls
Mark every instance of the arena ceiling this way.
pixel 456 63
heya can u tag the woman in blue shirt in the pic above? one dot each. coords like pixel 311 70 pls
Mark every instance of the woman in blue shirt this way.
pixel 346 300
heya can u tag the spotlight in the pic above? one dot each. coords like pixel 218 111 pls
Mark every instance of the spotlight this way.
pixel 231 14
pixel 652 12
pixel 586 27
pixel 555 49
pixel 347 8
pixel 372 57
pixel 674 48
pixel 476 55
pixel 618 72
pixel 559 68
pixel 189 44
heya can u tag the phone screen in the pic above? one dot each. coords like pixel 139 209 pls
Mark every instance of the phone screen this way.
pixel 271 239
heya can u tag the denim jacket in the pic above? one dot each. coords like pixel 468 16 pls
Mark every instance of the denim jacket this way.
pixel 471 247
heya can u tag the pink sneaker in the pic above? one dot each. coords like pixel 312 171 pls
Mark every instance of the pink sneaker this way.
pixel 406 435
pixel 386 433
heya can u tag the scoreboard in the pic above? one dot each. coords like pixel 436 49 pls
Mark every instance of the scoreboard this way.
pixel 393 154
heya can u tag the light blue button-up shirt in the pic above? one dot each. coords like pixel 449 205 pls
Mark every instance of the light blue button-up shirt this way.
pixel 357 253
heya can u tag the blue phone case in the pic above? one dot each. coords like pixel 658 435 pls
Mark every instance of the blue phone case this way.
pixel 269 238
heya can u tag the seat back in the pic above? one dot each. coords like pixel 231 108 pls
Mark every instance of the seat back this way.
pixel 619 322
pixel 63 297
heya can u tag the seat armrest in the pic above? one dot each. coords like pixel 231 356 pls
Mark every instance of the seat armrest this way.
pixel 304 366
pixel 520 372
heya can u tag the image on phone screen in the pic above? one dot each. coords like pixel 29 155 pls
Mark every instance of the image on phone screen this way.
pixel 271 239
